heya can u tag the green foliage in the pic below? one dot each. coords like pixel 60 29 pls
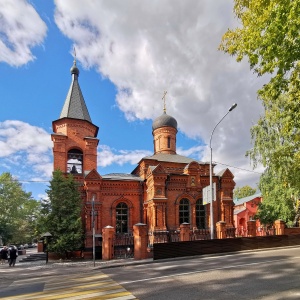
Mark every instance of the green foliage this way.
pixel 61 216
pixel 278 201
pixel 269 38
pixel 277 147
pixel 26 231
pixel 244 191
pixel 17 211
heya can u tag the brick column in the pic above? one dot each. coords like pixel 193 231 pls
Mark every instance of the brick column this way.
pixel 108 233
pixel 185 232
pixel 221 230
pixel 251 228
pixel 140 234
pixel 279 227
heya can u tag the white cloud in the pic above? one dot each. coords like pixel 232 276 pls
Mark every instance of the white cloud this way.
pixel 195 152
pixel 21 29
pixel 107 156
pixel 26 147
pixel 145 48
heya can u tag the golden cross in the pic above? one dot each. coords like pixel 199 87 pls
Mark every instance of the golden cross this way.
pixel 164 99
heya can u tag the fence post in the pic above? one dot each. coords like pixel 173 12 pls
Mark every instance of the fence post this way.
pixel 221 230
pixel 279 227
pixel 140 234
pixel 185 232
pixel 251 228
pixel 108 233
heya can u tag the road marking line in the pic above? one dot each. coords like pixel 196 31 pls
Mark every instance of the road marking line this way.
pixel 207 270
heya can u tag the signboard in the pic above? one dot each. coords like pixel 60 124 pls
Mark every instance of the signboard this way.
pixel 207 194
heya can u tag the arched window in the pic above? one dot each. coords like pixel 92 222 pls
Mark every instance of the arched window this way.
pixel 184 211
pixel 74 163
pixel 200 214
pixel 122 218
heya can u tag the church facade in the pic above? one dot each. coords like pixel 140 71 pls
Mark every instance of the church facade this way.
pixel 163 191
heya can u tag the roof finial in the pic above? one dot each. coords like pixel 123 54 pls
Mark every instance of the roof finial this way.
pixel 74 70
pixel 74 52
pixel 164 99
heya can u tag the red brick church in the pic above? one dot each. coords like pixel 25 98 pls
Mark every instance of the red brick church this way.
pixel 163 191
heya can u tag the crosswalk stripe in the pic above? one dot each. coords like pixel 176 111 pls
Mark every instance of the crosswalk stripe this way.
pixel 76 287
pixel 82 294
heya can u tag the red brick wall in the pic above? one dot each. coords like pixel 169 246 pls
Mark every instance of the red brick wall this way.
pixel 156 201
pixel 160 139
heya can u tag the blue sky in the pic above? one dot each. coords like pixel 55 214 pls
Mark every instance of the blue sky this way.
pixel 128 54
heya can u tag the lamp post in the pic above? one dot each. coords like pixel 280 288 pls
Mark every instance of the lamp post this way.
pixel 233 106
pixel 47 236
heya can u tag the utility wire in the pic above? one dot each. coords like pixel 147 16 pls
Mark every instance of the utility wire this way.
pixel 251 171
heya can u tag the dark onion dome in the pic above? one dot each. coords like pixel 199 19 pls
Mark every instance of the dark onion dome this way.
pixel 74 69
pixel 163 121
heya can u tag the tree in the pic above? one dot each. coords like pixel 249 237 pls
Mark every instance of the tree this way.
pixel 62 214
pixel 269 38
pixel 14 204
pixel 244 191
pixel 278 201
pixel 277 147
pixel 27 228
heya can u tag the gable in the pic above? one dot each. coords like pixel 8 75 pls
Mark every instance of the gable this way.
pixel 158 170
pixel 226 173
pixel 192 167
pixel 92 175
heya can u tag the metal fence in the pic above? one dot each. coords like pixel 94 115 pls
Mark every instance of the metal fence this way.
pixel 123 245
pixel 163 236
pixel 200 234
pixel 260 231
pixel 168 236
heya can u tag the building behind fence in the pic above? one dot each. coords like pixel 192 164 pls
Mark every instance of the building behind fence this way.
pixel 163 191
pixel 186 241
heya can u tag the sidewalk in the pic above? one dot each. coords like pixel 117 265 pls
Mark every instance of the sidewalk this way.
pixel 98 264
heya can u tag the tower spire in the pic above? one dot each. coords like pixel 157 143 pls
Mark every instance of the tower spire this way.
pixel 75 106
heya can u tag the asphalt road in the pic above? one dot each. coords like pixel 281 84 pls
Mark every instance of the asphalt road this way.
pixel 270 275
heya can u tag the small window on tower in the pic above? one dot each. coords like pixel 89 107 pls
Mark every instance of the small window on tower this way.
pixel 169 142
pixel 74 164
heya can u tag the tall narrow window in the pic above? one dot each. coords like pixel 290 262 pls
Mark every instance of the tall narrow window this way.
pixel 200 214
pixel 184 211
pixel 74 163
pixel 169 142
pixel 122 218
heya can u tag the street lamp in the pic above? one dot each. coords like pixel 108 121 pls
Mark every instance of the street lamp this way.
pixel 47 236
pixel 233 106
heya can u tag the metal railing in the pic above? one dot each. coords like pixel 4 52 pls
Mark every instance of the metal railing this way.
pixel 163 236
pixel 200 234
pixel 167 236
pixel 123 245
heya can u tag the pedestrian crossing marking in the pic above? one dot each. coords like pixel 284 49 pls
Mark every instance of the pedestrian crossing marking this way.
pixel 53 286
pixel 75 287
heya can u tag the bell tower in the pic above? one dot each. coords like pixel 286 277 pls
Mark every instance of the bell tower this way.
pixel 75 136
pixel 164 131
